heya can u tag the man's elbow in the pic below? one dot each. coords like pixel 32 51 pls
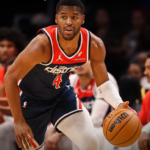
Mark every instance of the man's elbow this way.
pixel 9 77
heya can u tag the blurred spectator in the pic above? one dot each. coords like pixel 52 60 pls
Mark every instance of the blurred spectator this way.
pixel 139 59
pixel 102 24
pixel 130 90
pixel 103 31
pixel 115 61
pixel 135 70
pixel 145 110
pixel 141 62
pixel 7 135
pixel 12 42
pixel 130 41
pixel 4 108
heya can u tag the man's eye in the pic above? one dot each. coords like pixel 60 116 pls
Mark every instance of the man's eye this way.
pixel 74 17
pixel 64 17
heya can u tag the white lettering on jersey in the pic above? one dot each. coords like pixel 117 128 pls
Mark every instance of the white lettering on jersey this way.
pixel 59 58
pixel 61 69
pixel 79 54
pixel 77 59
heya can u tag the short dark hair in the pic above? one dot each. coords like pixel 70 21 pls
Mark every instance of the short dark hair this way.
pixel 14 36
pixel 77 3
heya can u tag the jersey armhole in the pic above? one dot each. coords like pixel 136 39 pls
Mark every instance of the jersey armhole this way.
pixel 51 44
pixel 89 45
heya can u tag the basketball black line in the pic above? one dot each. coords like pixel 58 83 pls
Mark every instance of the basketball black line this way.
pixel 131 137
pixel 110 121
pixel 122 127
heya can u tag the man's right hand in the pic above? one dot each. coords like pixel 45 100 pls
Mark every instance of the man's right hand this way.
pixel 23 134
pixel 144 141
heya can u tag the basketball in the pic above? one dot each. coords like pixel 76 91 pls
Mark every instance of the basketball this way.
pixel 122 127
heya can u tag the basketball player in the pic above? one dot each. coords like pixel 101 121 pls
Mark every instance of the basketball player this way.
pixel 44 81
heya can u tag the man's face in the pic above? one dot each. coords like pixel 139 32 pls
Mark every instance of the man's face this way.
pixel 69 20
pixel 147 69
pixel 7 50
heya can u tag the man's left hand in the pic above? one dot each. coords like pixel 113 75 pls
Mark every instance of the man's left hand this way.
pixel 125 105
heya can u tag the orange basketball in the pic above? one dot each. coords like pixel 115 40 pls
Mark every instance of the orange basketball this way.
pixel 122 127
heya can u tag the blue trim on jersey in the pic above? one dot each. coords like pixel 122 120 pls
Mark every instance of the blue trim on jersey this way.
pixel 50 40
pixel 89 48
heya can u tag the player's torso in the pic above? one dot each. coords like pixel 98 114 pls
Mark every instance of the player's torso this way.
pixel 87 96
pixel 45 81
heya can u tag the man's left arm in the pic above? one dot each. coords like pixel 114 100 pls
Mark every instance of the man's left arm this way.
pixel 108 91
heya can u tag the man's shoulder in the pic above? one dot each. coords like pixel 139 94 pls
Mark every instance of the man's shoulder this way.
pixel 94 37
pixel 96 42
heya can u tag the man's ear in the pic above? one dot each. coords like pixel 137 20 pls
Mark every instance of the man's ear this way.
pixel 83 19
pixel 56 18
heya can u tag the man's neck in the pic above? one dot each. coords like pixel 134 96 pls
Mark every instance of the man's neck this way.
pixel 85 80
pixel 69 46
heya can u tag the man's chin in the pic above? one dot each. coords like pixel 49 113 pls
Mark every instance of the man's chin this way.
pixel 68 38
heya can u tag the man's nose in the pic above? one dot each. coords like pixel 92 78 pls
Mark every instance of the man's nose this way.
pixel 69 21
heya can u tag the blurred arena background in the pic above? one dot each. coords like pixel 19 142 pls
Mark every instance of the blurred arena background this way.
pixel 123 25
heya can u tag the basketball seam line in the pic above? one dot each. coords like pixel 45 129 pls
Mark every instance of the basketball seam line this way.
pixel 111 120
pixel 132 136
pixel 122 127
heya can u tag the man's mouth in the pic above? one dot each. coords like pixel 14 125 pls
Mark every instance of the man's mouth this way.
pixel 68 30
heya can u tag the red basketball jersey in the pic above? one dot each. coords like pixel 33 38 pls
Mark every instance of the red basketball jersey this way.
pixel 46 81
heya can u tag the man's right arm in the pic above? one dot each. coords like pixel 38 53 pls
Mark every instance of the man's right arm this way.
pixel 37 51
